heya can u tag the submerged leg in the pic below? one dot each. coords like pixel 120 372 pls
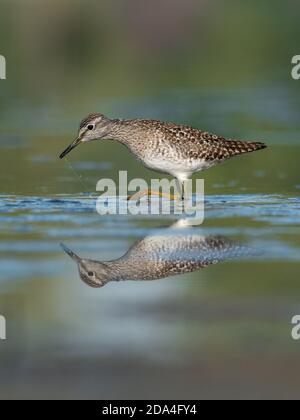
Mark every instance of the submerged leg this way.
pixel 149 193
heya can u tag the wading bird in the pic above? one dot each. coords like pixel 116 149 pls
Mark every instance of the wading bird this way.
pixel 175 149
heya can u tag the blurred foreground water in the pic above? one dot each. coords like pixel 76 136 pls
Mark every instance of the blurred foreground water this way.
pixel 221 331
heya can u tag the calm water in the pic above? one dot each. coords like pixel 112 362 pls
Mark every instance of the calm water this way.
pixel 219 331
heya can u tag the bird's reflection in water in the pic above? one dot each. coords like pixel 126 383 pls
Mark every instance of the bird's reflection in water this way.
pixel 167 252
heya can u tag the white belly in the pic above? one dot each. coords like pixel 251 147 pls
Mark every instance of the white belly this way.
pixel 182 169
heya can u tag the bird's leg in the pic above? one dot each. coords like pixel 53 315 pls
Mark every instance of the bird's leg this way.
pixel 148 193
pixel 180 187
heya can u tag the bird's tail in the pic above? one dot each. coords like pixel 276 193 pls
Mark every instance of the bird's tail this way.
pixel 235 147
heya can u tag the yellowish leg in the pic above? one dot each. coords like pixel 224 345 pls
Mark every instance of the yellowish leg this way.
pixel 149 193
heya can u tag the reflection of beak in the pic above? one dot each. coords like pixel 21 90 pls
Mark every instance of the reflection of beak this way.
pixel 71 147
pixel 70 253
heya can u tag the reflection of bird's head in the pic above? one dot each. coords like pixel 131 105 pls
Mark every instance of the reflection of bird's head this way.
pixel 93 273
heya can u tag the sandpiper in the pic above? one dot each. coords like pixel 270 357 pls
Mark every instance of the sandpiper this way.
pixel 178 150
pixel 159 255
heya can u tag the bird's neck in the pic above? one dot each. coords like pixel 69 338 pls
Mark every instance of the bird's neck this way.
pixel 114 270
pixel 124 131
pixel 129 269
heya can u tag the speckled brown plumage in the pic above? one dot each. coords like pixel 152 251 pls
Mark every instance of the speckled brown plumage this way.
pixel 175 149
pixel 161 255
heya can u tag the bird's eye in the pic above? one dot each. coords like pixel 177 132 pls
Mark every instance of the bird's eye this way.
pixel 90 273
pixel 90 127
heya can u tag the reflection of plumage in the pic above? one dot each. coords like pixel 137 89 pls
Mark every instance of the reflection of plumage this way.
pixel 160 255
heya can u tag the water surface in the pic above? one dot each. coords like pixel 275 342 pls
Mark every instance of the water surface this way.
pixel 222 330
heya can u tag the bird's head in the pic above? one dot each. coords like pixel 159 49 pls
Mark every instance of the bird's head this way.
pixel 93 127
pixel 93 273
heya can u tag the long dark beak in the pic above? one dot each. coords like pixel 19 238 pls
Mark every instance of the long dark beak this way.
pixel 71 253
pixel 69 148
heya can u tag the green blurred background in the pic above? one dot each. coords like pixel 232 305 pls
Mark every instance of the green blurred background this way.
pixel 224 67
pixel 221 66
